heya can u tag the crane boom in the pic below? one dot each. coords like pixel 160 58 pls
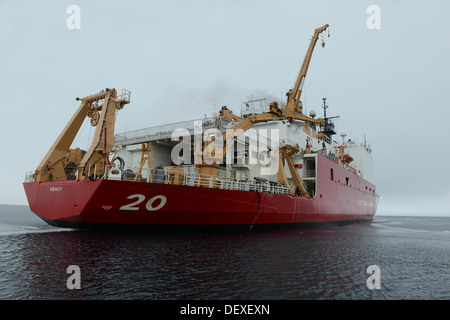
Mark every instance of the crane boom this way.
pixel 295 93
pixel 286 152
pixel 228 114
pixel 237 130
pixel 250 121
pixel 211 168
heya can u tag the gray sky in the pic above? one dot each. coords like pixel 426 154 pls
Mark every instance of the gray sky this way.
pixel 183 59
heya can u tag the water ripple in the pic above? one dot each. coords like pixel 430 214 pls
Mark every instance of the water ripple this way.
pixel 326 263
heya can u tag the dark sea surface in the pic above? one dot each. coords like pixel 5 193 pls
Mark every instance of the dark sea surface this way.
pixel 328 263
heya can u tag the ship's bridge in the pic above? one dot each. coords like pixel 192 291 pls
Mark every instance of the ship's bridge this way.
pixel 253 106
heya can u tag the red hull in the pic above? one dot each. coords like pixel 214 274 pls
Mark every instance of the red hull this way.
pixel 88 203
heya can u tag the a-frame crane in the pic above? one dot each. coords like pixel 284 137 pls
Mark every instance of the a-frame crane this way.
pixel 63 163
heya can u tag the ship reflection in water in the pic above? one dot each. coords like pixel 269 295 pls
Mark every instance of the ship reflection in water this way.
pixel 310 263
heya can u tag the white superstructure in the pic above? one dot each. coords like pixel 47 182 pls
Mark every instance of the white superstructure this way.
pixel 258 151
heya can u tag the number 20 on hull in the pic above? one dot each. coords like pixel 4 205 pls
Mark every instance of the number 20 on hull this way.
pixel 134 206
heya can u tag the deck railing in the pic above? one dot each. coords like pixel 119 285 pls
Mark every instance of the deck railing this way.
pixel 195 180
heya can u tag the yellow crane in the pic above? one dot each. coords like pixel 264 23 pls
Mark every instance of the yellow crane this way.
pixel 286 151
pixel 63 163
pixel 228 114
pixel 291 112
pixel 293 107
pixel 145 157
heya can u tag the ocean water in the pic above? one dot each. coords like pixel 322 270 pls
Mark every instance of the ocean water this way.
pixel 410 256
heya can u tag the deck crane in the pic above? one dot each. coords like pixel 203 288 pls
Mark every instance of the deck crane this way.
pixel 63 163
pixel 286 151
pixel 293 107
pixel 209 168
pixel 291 112
pixel 145 157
